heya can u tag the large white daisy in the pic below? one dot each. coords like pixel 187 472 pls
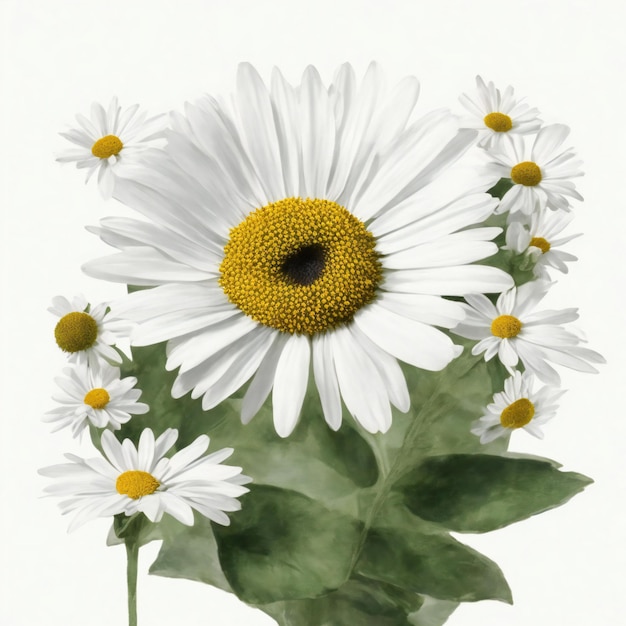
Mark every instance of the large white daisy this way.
pixel 540 174
pixel 514 331
pixel 99 397
pixel 131 479
pixel 109 139
pixel 495 115
pixel 538 240
pixel 303 225
pixel 518 406
pixel 86 333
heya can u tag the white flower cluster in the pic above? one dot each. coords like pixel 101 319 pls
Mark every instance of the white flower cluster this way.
pixel 129 479
pixel 538 208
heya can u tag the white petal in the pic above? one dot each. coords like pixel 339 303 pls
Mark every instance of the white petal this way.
pixel 548 141
pixel 427 309
pixel 290 383
pixel 258 131
pixel 410 341
pixel 449 281
pixel 263 380
pixel 359 381
pixel 318 134
pixel 326 380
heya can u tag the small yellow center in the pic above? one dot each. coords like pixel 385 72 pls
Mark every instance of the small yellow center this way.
pixel 107 146
pixel 136 483
pixel 500 122
pixel 300 265
pixel 541 243
pixel 97 398
pixel 506 326
pixel 76 331
pixel 526 173
pixel 517 414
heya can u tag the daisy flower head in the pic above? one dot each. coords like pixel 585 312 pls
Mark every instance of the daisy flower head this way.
pixel 303 227
pixel 540 174
pixel 99 397
pixel 109 139
pixel 131 479
pixel 539 241
pixel 86 333
pixel 495 115
pixel 515 332
pixel 518 406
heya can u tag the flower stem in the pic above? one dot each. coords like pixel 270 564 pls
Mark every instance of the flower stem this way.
pixel 132 560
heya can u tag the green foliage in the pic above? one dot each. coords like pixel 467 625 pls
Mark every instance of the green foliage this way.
pixel 348 527
pixel 478 493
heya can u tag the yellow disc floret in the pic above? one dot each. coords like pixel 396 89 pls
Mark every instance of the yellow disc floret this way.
pixel 97 398
pixel 76 331
pixel 136 483
pixel 526 173
pixel 500 122
pixel 300 265
pixel 517 414
pixel 541 243
pixel 506 326
pixel 107 146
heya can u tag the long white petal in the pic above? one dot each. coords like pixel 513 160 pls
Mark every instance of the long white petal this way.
pixel 290 383
pixel 410 341
pixel 326 380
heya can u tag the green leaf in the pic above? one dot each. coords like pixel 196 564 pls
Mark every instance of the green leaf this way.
pixel 190 552
pixel 360 601
pixel 478 493
pixel 403 550
pixel 284 545
pixel 431 563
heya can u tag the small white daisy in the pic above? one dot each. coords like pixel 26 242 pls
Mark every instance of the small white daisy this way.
pixel 540 174
pixel 131 479
pixel 97 396
pixel 86 333
pixel 303 230
pixel 539 242
pixel 514 332
pixel 518 406
pixel 495 116
pixel 109 139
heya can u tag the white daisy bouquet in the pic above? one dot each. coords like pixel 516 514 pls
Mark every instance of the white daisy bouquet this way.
pixel 343 296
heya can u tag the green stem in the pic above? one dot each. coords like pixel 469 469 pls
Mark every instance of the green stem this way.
pixel 132 560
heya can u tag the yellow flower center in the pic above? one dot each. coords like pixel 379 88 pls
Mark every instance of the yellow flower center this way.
pixel 517 414
pixel 541 243
pixel 300 266
pixel 107 146
pixel 506 326
pixel 136 483
pixel 97 398
pixel 76 331
pixel 500 122
pixel 526 173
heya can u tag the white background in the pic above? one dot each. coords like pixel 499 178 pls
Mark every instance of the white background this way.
pixel 565 566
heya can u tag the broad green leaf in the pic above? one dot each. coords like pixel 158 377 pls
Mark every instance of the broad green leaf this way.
pixel 434 564
pixel 478 493
pixel 284 545
pixel 360 601
pixel 402 550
